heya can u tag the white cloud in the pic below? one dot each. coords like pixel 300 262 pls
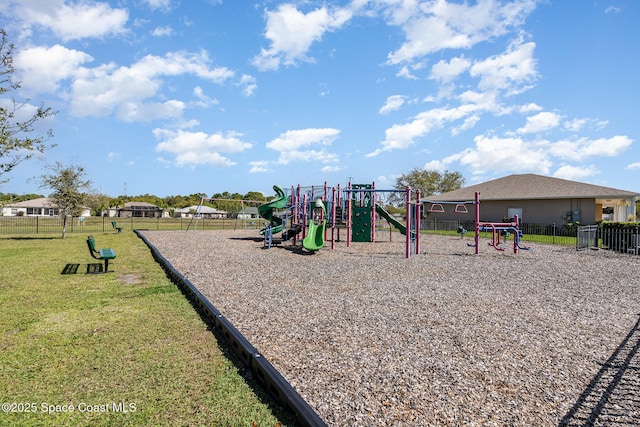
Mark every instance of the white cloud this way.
pixel 292 32
pixel 393 103
pixel 575 172
pixel 575 124
pixel 107 88
pixel 162 31
pixel 203 100
pixel 43 68
pixel 399 137
pixel 487 100
pixel 159 4
pixel 293 145
pixel 259 166
pixel 633 166
pixel 132 92
pixel 446 72
pixel 469 123
pixel 330 169
pixel 541 122
pixel 72 21
pixel 404 72
pixel 248 84
pixel 23 112
pixel 196 148
pixel 511 71
pixel 529 108
pixel 322 156
pixel 433 26
pixel 296 139
pixel 496 154
pixel 435 165
pixel 141 112
pixel 582 148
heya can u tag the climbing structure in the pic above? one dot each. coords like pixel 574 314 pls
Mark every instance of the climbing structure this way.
pixel 361 213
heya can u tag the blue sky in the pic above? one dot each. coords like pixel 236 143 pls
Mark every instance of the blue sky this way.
pixel 172 97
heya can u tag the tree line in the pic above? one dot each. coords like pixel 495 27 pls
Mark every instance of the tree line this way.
pixel 101 202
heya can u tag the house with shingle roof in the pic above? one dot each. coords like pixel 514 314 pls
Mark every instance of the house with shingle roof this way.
pixel 538 199
pixel 205 212
pixel 36 207
pixel 137 210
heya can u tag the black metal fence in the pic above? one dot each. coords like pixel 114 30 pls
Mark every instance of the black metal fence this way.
pixel 53 224
pixel 620 237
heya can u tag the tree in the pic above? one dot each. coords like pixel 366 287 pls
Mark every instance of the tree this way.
pixel 98 203
pixel 16 121
pixel 429 182
pixel 67 183
pixel 254 195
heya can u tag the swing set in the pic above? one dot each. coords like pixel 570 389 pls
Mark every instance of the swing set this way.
pixel 241 214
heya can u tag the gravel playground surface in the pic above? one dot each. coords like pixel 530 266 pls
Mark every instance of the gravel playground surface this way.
pixel 546 337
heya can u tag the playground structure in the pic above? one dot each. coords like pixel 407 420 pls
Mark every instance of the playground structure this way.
pixel 498 229
pixel 503 229
pixel 293 215
pixel 319 214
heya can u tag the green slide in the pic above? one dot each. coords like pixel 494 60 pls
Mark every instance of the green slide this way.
pixel 266 210
pixel 314 240
pixel 386 215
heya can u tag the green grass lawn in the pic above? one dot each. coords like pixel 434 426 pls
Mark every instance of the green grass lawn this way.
pixel 124 348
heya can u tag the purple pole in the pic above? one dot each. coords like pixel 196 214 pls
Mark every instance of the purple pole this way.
pixel 418 215
pixel 477 221
pixel 373 212
pixel 333 217
pixel 407 234
pixel 339 204
pixel 304 216
pixel 515 238
pixel 349 201
pixel 325 200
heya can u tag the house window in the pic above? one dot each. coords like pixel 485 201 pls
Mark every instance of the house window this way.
pixel 51 212
pixel 34 211
pixel 512 212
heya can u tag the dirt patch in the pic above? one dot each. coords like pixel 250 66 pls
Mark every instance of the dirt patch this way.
pixel 130 278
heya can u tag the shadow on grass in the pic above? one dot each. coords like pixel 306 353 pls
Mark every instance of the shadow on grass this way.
pixel 228 343
pixel 286 417
pixel 35 238
pixel 612 398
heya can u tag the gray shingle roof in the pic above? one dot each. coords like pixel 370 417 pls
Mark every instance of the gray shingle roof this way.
pixel 531 186
pixel 42 202
pixel 203 210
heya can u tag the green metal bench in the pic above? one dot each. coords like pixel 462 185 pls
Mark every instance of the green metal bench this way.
pixel 104 254
pixel 115 226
